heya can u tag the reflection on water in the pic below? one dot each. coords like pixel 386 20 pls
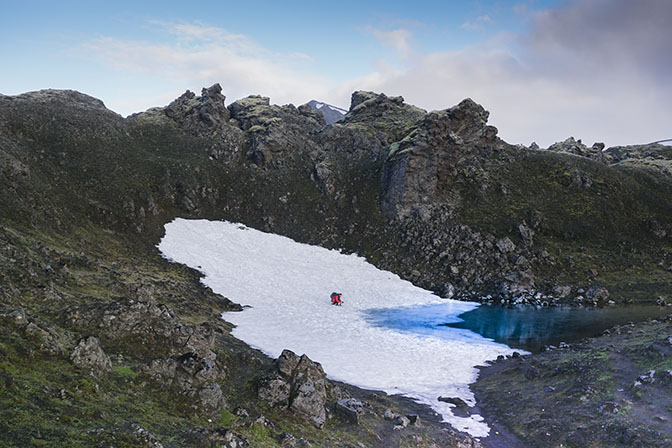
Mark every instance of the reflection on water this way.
pixel 524 327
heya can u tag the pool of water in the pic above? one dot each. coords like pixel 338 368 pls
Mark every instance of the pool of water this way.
pixel 525 327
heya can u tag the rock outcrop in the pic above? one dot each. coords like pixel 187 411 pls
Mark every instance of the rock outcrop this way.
pixel 88 355
pixel 192 376
pixel 296 383
pixel 576 147
pixel 207 116
pixel 420 168
pixel 141 327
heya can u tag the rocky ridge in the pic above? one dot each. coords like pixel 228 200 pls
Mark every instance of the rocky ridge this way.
pixel 436 197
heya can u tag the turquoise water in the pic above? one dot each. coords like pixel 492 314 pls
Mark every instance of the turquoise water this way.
pixel 525 327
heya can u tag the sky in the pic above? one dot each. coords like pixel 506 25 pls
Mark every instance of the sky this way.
pixel 597 70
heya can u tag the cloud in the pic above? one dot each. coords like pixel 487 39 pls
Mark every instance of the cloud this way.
pixel 478 24
pixel 398 39
pixel 595 69
pixel 200 55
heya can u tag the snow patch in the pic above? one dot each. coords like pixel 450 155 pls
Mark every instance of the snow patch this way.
pixel 287 284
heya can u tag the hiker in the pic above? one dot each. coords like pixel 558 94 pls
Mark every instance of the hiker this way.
pixel 336 298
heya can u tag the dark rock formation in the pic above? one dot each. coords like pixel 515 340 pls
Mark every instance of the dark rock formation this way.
pixel 193 376
pixel 88 355
pixel 296 383
pixel 421 168
pixel 389 115
pixel 276 133
pixel 207 111
pixel 146 326
pixel 576 147
pixel 218 438
pixel 350 409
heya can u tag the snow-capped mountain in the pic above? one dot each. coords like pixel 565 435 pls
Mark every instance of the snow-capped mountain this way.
pixel 330 113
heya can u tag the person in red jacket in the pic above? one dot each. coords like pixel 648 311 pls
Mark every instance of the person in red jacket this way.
pixel 336 298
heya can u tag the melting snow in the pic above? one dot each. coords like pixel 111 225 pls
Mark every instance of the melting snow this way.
pixel 287 284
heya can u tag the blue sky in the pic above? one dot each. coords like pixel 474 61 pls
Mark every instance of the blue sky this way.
pixel 546 69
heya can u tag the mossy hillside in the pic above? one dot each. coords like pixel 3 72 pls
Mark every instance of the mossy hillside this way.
pixel 585 214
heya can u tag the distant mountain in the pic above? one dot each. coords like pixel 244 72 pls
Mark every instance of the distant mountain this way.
pixel 330 113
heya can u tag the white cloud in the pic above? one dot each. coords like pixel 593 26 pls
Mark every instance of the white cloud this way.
pixel 203 55
pixel 478 24
pixel 398 39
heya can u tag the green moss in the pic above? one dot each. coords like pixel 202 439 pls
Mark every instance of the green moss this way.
pixel 125 372
pixel 228 418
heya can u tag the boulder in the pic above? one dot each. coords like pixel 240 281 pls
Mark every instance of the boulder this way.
pixel 217 438
pixel 88 355
pixel 193 376
pixel 597 294
pixel 350 409
pixel 505 245
pixel 296 383
pixel 526 234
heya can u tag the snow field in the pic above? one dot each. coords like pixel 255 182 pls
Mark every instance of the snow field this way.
pixel 287 284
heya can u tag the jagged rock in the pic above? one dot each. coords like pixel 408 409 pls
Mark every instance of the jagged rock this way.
pixel 204 116
pixel 297 383
pixel 420 169
pixel 350 409
pixel 287 439
pixel 576 147
pixel 656 157
pixel 143 326
pixel 200 114
pixel 458 402
pixel 46 335
pixel 562 291
pixel 88 355
pixel 274 391
pixel 414 419
pixel 526 234
pixel 382 113
pixel 597 294
pixel 145 437
pixel 448 291
pixel 403 421
pixel 218 438
pixel 324 178
pixel 505 245
pixel 656 229
pixel 14 316
pixel 50 340
pixel 308 111
pixel 193 376
pixel 531 372
pixel 277 134
pixel 389 415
